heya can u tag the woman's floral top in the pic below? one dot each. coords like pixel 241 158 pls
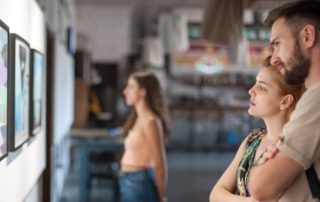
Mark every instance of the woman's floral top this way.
pixel 246 162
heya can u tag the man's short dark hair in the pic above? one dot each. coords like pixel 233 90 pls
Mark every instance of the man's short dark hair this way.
pixel 296 15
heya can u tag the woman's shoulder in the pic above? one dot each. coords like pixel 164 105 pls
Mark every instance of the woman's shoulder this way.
pixel 256 134
pixel 150 118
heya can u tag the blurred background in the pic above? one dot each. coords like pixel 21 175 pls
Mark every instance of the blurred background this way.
pixel 206 54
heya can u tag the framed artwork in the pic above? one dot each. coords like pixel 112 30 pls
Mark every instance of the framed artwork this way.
pixel 71 40
pixel 19 96
pixel 4 44
pixel 37 91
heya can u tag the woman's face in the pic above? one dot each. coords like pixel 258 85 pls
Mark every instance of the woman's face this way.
pixel 133 93
pixel 265 96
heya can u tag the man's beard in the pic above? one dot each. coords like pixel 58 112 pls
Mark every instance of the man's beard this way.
pixel 300 67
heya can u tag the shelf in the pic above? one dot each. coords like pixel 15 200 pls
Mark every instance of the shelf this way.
pixel 221 81
pixel 202 107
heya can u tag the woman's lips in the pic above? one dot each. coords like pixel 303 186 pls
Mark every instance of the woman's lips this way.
pixel 251 104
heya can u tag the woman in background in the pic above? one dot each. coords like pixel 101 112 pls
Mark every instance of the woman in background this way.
pixel 143 176
pixel 273 101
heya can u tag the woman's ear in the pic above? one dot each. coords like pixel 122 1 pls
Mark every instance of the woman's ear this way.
pixel 286 102
pixel 143 92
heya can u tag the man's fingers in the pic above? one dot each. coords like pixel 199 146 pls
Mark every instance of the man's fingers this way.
pixel 270 152
pixel 262 161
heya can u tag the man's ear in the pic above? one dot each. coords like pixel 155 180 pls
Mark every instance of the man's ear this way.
pixel 286 102
pixel 308 35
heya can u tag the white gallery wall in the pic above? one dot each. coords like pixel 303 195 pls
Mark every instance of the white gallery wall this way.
pixel 63 93
pixel 20 170
pixel 59 17
pixel 62 118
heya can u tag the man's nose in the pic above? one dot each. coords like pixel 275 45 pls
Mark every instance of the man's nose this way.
pixel 274 60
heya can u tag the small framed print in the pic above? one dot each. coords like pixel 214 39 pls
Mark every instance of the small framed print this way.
pixel 37 91
pixel 19 95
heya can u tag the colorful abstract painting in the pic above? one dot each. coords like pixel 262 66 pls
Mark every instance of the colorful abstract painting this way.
pixel 4 40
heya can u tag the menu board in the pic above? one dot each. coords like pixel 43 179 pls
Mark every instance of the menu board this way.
pixel 202 58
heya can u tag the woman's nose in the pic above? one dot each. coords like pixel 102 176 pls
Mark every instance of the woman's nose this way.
pixel 250 91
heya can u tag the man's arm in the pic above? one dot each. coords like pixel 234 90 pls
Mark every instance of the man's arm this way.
pixel 269 180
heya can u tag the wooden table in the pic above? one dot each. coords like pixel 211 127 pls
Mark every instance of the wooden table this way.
pixel 89 140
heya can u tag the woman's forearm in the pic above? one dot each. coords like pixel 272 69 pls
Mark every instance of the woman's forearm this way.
pixel 220 194
pixel 161 181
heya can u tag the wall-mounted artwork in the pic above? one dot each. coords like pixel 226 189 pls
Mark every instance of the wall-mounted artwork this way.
pixel 19 97
pixel 4 42
pixel 71 44
pixel 37 91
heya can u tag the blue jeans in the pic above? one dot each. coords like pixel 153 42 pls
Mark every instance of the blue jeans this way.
pixel 138 186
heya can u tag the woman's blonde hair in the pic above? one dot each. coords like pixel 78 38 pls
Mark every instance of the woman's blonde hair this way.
pixel 154 99
pixel 285 89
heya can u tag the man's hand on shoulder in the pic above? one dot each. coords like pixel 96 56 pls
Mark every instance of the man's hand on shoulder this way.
pixel 270 153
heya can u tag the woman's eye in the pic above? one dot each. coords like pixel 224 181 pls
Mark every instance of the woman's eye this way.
pixel 261 88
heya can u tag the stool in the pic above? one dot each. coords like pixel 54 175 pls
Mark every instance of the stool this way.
pixel 103 165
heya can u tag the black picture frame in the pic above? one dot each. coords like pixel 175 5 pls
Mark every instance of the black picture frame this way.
pixel 71 43
pixel 4 88
pixel 37 84
pixel 19 98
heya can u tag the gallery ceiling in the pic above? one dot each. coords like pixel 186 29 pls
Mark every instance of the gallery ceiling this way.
pixel 257 4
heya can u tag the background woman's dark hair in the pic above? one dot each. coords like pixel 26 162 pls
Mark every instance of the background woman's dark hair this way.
pixel 297 15
pixel 154 99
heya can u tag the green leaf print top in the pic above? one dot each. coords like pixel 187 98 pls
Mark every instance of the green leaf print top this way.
pixel 246 162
